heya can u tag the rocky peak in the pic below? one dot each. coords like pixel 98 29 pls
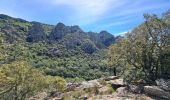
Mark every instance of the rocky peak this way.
pixel 106 38
pixel 36 33
pixel 105 33
pixel 6 17
pixel 59 31
pixel 60 26
pixel 75 28
pixel 2 16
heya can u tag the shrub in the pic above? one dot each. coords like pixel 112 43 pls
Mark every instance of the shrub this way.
pixel 18 81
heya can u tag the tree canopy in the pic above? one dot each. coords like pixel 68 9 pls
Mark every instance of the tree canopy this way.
pixel 145 51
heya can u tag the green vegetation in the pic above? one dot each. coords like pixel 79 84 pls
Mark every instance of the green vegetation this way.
pixel 18 80
pixel 35 57
pixel 143 54
pixel 33 61
pixel 73 54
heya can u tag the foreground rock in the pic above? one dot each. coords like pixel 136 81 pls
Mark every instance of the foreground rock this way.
pixel 72 86
pixel 135 89
pixel 89 84
pixel 122 92
pixel 163 84
pixel 116 83
pixel 110 88
pixel 110 78
pixel 155 91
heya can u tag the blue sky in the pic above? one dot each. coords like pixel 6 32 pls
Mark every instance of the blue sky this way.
pixel 115 16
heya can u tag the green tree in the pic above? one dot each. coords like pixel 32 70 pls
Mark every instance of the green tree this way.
pixel 145 50
pixel 55 83
pixel 18 81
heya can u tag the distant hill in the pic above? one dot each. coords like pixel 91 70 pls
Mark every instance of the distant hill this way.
pixel 60 50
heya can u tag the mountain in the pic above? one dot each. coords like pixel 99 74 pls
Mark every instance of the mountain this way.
pixel 58 50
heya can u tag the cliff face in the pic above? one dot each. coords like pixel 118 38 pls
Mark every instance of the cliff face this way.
pixel 71 36
pixel 36 33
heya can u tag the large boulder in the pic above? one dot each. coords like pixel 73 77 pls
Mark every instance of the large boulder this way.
pixel 122 92
pixel 157 92
pixel 163 84
pixel 116 83
pixel 90 84
pixel 135 89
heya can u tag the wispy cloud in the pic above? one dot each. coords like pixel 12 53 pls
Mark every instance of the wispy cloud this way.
pixel 122 33
pixel 86 11
pixel 116 16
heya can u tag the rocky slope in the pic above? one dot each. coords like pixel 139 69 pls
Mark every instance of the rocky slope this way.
pixel 108 88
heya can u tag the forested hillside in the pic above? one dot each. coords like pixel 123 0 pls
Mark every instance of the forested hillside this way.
pixel 60 50
pixel 36 57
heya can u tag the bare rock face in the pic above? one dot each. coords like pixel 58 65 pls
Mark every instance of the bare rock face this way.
pixel 11 33
pixel 89 84
pixel 135 89
pixel 106 38
pixel 59 31
pixel 116 83
pixel 157 92
pixel 163 84
pixel 122 91
pixel 75 28
pixel 36 33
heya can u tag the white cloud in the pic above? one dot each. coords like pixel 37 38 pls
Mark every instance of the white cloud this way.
pixel 136 8
pixel 87 11
pixel 86 7
pixel 84 12
pixel 122 33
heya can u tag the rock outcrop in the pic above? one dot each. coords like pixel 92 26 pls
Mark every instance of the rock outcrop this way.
pixel 106 38
pixel 89 84
pixel 163 84
pixel 36 33
pixel 122 91
pixel 61 30
pixel 11 33
pixel 157 92
pixel 135 89
pixel 95 90
pixel 58 32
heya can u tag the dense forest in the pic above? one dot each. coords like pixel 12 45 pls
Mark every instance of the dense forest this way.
pixel 59 50
pixel 37 57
